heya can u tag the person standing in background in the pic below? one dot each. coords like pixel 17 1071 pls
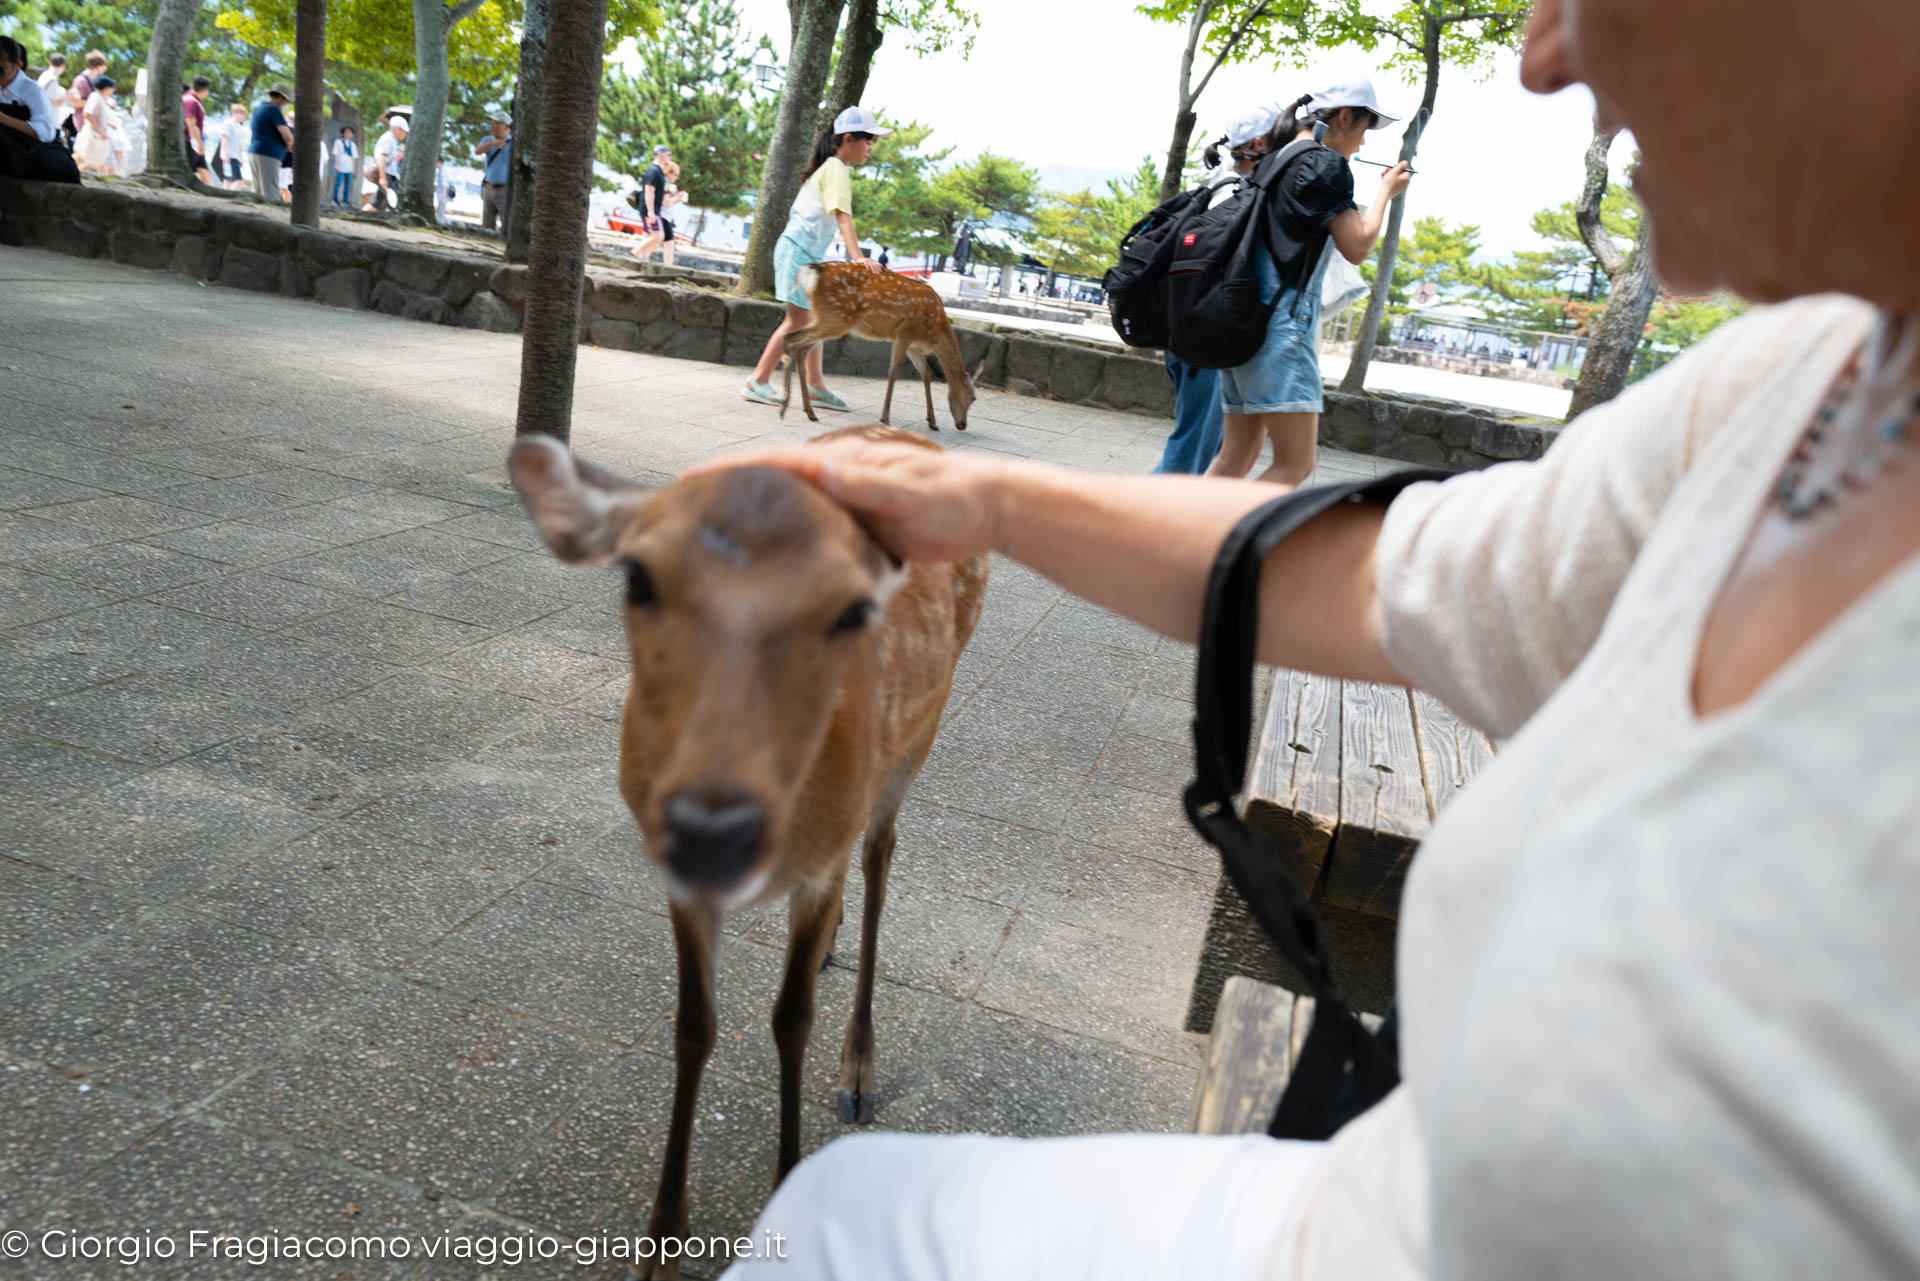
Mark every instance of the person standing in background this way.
pixel 387 153
pixel 270 141
pixel 92 147
pixel 193 116
pixel 53 91
pixel 80 90
pixel 345 157
pixel 1197 416
pixel 653 199
pixel 235 134
pixel 498 150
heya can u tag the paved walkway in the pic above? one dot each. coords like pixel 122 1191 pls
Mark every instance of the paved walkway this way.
pixel 319 910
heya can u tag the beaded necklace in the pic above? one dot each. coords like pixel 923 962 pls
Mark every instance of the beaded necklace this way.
pixel 1789 492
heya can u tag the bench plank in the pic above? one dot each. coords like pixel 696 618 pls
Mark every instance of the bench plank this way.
pixel 1451 751
pixel 1247 1061
pixel 1384 810
pixel 1293 797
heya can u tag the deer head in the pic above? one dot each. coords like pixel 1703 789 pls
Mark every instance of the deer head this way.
pixel 747 596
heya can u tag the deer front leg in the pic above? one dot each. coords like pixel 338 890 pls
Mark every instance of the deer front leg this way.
pixel 926 380
pixel 893 370
pixel 812 916
pixel 796 347
pixel 694 931
pixel 857 1092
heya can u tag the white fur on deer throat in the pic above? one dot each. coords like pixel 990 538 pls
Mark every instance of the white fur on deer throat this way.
pixel 742 894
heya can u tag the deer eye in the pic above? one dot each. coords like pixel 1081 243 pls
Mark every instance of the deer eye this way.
pixel 853 617
pixel 639 583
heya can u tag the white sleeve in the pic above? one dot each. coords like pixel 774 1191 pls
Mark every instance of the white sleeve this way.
pixel 1491 587
pixel 40 115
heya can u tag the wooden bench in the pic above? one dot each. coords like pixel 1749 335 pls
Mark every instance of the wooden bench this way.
pixel 1347 778
pixel 1257 1034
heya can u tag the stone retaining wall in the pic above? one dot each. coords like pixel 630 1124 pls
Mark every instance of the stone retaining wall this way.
pixel 252 248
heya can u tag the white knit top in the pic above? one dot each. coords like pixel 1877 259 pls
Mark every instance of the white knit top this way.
pixel 1659 976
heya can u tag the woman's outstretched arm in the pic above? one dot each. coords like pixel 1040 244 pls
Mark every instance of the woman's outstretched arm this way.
pixel 1139 545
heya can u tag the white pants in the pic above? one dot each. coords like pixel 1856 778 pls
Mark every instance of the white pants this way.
pixel 917 1207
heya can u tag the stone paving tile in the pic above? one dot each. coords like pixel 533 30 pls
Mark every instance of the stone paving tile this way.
pixel 526 665
pixel 416 1085
pixel 283 672
pixel 254 598
pixel 577 961
pixel 487 596
pixel 1009 1075
pixel 391 634
pixel 522 816
pixel 325 524
pixel 24 535
pixel 44 913
pixel 130 569
pixel 25 489
pixel 238 543
pixel 172 1008
pixel 437 715
pixel 157 835
pixel 113 472
pixel 190 1172
pixel 1146 764
pixel 312 767
pixel 232 499
pixel 933 939
pixel 144 719
pixel 58 1129
pixel 1146 824
pixel 1127 987
pixel 355 892
pixel 119 516
pixel 27 597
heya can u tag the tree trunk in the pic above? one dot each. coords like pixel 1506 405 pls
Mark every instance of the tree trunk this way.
pixel 526 129
pixel 807 64
pixel 557 257
pixel 166 56
pixel 1369 335
pixel 1183 116
pixel 858 48
pixel 433 22
pixel 309 74
pixel 1616 335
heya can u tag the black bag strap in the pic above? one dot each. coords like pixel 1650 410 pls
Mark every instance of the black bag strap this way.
pixel 1222 727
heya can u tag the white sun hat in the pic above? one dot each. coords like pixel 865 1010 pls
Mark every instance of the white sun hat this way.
pixel 1357 92
pixel 858 120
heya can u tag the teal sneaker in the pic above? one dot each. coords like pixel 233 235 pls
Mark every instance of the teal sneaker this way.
pixel 827 400
pixel 760 393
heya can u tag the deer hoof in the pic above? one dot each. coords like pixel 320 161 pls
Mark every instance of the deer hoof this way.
pixel 856 1109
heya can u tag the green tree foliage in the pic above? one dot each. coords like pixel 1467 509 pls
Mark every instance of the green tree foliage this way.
pixel 1079 233
pixel 123 31
pixel 893 197
pixel 932 25
pixel 377 35
pixel 987 186
pixel 694 92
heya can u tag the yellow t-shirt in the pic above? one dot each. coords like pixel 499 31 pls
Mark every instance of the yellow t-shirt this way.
pixel 828 192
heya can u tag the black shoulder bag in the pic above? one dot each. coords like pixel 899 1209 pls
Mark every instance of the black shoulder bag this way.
pixel 1343 1068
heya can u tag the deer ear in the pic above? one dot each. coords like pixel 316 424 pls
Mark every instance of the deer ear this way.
pixel 578 509
pixel 978 369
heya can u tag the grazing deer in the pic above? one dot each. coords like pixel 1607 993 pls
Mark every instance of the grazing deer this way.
pixel 849 299
pixel 788 678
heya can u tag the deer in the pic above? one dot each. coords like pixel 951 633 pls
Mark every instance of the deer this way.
pixel 849 299
pixel 788 679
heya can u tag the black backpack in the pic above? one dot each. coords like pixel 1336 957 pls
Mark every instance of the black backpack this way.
pixel 1137 284
pixel 1216 317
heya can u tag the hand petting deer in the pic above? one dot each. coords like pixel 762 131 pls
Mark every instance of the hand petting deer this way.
pixel 847 299
pixel 788 679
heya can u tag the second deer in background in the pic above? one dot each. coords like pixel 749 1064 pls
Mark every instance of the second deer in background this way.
pixel 847 299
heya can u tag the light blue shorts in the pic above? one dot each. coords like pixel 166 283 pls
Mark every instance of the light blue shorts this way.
pixel 1284 375
pixel 788 258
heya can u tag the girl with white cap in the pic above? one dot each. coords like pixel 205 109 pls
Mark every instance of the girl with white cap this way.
pixel 1277 395
pixel 822 210
pixel 1196 391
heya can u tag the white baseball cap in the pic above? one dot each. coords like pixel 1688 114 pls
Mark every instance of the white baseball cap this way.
pixel 1255 122
pixel 858 120
pixel 1350 93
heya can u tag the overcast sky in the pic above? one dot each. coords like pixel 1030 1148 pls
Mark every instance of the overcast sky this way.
pixel 1079 88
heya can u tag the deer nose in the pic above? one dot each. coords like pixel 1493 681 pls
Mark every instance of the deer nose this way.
pixel 713 839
